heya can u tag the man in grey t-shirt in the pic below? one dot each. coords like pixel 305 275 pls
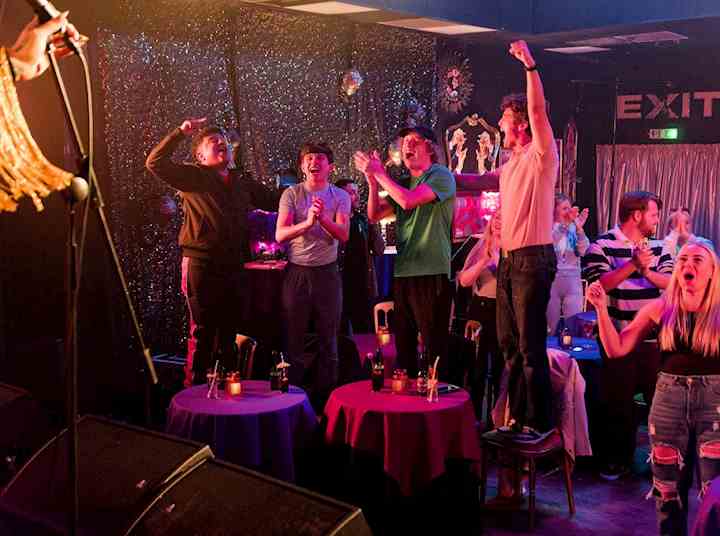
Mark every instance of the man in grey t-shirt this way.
pixel 313 217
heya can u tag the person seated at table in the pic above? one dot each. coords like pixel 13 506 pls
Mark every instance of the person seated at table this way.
pixel 570 242
pixel 357 265
pixel 313 219
pixel 480 273
pixel 684 414
pixel 679 230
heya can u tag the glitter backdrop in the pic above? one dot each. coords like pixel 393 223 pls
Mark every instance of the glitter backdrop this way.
pixel 273 76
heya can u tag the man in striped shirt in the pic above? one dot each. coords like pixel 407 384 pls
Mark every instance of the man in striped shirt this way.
pixel 633 269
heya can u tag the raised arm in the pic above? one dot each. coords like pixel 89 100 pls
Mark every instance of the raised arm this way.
pixel 621 344
pixel 159 162
pixel 371 165
pixel 543 138
pixel 27 56
pixel 377 207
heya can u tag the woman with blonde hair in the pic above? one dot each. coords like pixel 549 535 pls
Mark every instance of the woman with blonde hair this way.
pixel 570 243
pixel 684 423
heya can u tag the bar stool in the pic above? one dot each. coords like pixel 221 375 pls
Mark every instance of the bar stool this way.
pixel 519 452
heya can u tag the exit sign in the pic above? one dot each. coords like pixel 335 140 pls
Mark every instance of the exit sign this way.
pixel 663 133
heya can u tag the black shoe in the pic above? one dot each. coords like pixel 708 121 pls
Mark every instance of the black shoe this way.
pixel 613 471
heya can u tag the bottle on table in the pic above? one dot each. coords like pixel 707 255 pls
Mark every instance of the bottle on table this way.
pixel 423 363
pixel 378 369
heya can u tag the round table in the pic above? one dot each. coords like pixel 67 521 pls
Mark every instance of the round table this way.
pixel 414 437
pixel 580 349
pixel 259 428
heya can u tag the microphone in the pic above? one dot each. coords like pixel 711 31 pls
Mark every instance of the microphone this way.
pixel 45 10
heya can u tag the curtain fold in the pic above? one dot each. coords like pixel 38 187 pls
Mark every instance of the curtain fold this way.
pixel 681 175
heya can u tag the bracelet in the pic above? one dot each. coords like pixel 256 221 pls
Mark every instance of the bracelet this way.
pixel 533 68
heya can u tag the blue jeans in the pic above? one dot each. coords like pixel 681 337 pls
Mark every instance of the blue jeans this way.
pixel 684 426
pixel 525 277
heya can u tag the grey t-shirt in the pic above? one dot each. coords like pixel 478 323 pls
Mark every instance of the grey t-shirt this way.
pixel 316 247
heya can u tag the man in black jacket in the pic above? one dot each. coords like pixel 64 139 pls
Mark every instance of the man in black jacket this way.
pixel 213 237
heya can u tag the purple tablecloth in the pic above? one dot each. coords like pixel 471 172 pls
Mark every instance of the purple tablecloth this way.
pixel 413 436
pixel 258 429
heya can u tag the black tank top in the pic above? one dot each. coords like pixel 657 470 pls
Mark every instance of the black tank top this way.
pixel 684 361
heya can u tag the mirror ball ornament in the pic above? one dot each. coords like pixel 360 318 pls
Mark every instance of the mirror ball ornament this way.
pixel 350 82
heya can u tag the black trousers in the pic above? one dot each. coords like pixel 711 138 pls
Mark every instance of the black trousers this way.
pixel 525 277
pixel 614 440
pixel 313 293
pixel 484 310
pixel 217 311
pixel 422 305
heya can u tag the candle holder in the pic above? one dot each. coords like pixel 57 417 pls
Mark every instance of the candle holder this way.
pixel 233 387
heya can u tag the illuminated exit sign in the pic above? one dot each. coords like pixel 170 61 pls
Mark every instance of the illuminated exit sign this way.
pixel 663 133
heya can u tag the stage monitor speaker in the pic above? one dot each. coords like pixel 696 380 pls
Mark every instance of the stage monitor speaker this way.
pixel 217 498
pixel 25 426
pixel 122 469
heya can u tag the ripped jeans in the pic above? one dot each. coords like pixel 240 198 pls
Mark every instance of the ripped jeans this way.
pixel 684 427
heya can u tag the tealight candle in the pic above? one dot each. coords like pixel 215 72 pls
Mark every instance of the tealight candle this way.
pixel 234 388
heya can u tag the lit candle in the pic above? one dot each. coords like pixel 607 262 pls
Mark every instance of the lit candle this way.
pixel 234 388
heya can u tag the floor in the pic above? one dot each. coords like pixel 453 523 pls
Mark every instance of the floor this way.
pixel 605 508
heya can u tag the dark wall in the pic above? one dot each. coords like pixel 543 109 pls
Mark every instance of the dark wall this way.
pixel 584 87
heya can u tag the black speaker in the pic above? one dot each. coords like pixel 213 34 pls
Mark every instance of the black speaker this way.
pixel 122 469
pixel 217 499
pixel 135 481
pixel 25 425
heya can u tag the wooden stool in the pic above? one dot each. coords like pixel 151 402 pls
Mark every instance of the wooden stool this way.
pixel 550 446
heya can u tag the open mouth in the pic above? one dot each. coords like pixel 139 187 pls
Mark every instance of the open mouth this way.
pixel 687 276
pixel 409 155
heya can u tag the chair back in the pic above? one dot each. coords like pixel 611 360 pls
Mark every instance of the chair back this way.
pixel 381 313
pixel 245 355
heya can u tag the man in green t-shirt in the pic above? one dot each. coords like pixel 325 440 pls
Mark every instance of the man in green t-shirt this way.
pixel 424 211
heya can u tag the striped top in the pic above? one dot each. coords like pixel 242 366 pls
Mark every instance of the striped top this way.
pixel 611 251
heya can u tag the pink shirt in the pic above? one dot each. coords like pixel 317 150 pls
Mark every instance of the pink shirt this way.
pixel 527 197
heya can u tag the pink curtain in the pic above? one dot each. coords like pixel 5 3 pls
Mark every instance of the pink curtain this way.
pixel 681 175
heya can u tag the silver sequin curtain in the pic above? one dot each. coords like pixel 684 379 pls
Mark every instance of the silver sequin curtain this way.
pixel 681 175
pixel 271 75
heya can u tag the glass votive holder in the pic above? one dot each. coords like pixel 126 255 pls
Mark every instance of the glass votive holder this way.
pixel 399 380
pixel 233 387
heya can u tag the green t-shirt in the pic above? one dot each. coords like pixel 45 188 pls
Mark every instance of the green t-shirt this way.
pixel 424 233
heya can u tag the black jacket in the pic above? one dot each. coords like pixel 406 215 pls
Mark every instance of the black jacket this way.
pixel 215 222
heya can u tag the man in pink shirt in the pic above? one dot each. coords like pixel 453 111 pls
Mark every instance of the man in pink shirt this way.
pixel 527 262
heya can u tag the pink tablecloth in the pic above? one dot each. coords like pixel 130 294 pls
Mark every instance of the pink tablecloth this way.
pixel 413 436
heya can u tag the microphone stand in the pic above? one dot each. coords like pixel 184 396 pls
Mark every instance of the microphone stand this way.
pixel 72 283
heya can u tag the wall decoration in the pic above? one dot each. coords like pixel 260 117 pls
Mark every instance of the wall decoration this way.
pixel 472 146
pixel 456 84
